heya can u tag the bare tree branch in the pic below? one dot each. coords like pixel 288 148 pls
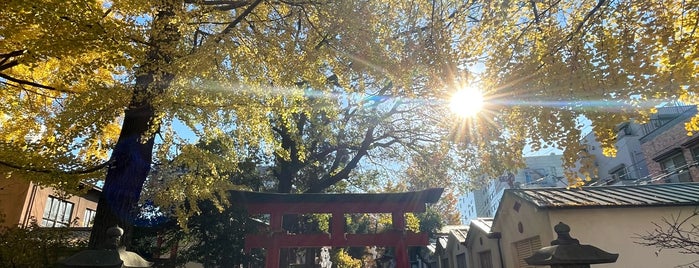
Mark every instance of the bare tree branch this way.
pixel 679 232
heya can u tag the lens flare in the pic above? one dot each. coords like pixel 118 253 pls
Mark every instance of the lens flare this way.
pixel 466 102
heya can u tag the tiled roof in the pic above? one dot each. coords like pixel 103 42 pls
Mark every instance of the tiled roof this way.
pixel 442 242
pixel 479 224
pixel 671 194
pixel 460 234
pixel 446 229
pixel 483 223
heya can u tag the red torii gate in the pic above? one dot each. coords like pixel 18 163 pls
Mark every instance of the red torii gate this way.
pixel 278 205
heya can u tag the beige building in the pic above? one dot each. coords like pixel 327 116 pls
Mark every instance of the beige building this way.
pixel 22 202
pixel 610 218
pixel 450 248
pixel 483 245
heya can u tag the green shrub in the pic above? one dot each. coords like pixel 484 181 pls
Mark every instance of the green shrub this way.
pixel 35 246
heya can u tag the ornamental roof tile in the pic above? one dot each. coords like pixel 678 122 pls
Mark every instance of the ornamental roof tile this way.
pixel 670 194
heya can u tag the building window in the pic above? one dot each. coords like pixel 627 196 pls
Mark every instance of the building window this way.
pixel 675 167
pixel 620 174
pixel 89 217
pixel 526 248
pixel 57 213
pixel 485 259
pixel 695 154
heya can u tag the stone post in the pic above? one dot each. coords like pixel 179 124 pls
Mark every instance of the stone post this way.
pixel 567 252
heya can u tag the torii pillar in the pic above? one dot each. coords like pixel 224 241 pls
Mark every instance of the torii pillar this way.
pixel 278 205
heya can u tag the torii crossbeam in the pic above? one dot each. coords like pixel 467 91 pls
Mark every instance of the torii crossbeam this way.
pixel 278 205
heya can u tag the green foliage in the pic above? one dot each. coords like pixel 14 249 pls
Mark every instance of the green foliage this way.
pixel 322 221
pixel 431 221
pixel 217 238
pixel 35 246
pixel 367 223
pixel 213 238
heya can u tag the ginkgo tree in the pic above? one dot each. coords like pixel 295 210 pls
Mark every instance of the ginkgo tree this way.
pixel 89 86
pixel 73 72
pixel 550 63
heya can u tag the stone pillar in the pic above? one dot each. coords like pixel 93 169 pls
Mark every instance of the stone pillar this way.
pixel 567 252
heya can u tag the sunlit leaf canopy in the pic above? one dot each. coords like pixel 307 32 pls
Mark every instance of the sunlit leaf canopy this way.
pixel 68 68
pixel 608 61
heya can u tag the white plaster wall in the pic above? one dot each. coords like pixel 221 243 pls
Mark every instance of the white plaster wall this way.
pixel 615 230
pixel 454 249
pixel 534 223
pixel 611 229
pixel 476 247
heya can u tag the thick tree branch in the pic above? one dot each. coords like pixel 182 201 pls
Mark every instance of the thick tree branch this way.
pixel 287 169
pixel 585 19
pixel 7 63
pixel 536 12
pixel 29 83
pixel 5 66
pixel 54 171
pixel 330 180
pixel 12 54
pixel 220 5
pixel 237 20
pixel 6 57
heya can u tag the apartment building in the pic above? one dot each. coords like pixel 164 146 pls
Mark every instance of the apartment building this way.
pixel 540 171
pixel 659 150
pixel 671 154
pixel 22 203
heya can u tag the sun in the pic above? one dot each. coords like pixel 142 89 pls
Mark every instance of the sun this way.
pixel 466 102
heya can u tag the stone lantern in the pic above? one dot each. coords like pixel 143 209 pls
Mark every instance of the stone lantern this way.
pixel 567 252
pixel 110 255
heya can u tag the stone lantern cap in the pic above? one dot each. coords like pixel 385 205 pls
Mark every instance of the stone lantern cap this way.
pixel 567 250
pixel 110 255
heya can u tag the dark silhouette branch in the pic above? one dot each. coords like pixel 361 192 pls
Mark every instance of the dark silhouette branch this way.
pixel 54 171
pixel 220 5
pixel 330 180
pixel 237 20
pixel 7 62
pixel 30 83
pixel 585 19
pixel 679 232
pixel 12 54
pixel 4 64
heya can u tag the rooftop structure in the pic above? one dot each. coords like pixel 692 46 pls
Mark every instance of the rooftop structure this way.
pixel 671 194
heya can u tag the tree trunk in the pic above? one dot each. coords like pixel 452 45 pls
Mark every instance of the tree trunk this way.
pixel 125 177
pixel 132 157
